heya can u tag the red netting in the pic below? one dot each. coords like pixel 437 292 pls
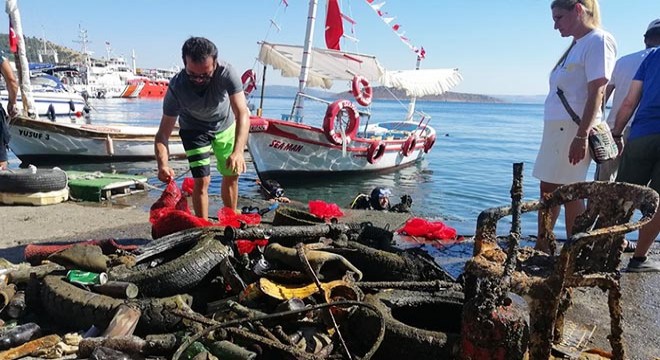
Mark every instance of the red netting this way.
pixel 170 213
pixel 433 230
pixel 228 217
pixel 188 185
pixel 247 246
pixel 324 210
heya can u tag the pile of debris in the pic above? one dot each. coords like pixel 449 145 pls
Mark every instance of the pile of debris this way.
pixel 319 291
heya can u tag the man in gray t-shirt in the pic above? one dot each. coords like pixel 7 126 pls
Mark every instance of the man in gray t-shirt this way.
pixel 207 97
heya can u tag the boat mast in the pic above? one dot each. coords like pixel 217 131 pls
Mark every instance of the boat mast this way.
pixel 306 60
pixel 413 100
pixel 22 65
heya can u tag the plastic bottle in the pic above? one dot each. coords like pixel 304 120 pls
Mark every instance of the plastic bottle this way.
pixel 19 335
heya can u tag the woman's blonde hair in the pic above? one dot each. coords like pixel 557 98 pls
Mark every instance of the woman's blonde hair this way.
pixel 591 8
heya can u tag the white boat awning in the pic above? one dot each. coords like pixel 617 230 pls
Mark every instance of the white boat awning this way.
pixel 422 82
pixel 328 65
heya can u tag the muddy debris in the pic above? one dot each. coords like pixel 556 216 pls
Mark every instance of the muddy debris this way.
pixel 300 291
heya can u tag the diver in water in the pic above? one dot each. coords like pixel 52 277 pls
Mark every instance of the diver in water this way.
pixel 379 199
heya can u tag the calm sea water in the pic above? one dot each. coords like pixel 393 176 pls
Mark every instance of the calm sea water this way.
pixel 468 170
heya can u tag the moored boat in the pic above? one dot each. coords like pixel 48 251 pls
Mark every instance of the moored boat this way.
pixel 37 141
pixel 292 147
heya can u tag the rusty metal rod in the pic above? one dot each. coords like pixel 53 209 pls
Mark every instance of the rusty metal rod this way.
pixel 514 233
pixel 286 232
pixel 300 249
pixel 434 285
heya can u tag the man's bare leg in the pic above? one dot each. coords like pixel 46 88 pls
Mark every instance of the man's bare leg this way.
pixel 200 197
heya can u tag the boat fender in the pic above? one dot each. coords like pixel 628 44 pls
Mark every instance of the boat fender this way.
pixel 375 151
pixel 333 115
pixel 428 143
pixel 409 145
pixel 109 146
pixel 362 96
pixel 249 80
pixel 50 113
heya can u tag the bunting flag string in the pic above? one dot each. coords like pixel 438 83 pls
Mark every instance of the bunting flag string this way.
pixel 390 21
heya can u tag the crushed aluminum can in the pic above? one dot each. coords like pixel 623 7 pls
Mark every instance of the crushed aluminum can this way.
pixel 86 277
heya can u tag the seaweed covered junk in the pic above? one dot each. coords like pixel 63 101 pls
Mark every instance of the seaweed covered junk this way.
pixel 589 258
pixel 307 292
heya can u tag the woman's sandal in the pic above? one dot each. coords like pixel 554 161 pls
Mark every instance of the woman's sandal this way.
pixel 630 247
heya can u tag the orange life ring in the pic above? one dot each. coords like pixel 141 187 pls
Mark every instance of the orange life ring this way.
pixel 375 151
pixel 362 96
pixel 409 145
pixel 249 80
pixel 333 114
pixel 428 143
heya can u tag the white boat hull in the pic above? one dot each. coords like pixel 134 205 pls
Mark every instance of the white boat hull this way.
pixel 41 141
pixel 282 149
pixel 61 102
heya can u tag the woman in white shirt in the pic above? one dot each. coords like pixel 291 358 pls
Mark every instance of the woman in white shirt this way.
pixel 581 73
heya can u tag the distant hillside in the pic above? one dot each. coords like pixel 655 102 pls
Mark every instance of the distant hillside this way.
pixel 34 44
pixel 381 93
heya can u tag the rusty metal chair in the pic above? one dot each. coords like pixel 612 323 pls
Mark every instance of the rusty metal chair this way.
pixel 590 258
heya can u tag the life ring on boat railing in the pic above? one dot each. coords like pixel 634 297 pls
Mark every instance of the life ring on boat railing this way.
pixel 409 145
pixel 362 95
pixel 375 151
pixel 249 80
pixel 334 115
pixel 428 143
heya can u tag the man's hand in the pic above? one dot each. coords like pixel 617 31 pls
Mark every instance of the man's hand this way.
pixel 11 110
pixel 165 174
pixel 236 162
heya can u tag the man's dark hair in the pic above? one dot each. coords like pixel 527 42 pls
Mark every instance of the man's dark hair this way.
pixel 198 49
pixel 652 37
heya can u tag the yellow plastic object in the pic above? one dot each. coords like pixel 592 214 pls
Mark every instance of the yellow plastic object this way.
pixel 40 198
pixel 286 292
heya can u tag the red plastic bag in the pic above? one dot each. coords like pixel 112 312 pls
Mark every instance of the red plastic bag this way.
pixel 324 210
pixel 432 230
pixel 228 217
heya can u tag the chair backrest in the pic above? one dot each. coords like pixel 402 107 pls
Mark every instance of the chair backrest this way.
pixel 598 234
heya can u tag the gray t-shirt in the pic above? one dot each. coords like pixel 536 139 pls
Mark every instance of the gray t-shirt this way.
pixel 207 111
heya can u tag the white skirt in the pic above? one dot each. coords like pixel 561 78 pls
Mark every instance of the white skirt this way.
pixel 552 164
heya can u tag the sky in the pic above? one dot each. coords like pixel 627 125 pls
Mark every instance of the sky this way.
pixel 501 47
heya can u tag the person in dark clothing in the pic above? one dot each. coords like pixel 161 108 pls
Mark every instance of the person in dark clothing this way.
pixel 12 90
pixel 379 199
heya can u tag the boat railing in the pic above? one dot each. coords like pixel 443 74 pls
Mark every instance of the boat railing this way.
pixel 297 118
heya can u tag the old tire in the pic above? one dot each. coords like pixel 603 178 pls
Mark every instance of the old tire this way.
pixel 78 309
pixel 23 181
pixel 418 325
pixel 178 275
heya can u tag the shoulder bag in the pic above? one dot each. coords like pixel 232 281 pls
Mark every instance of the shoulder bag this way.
pixel 601 143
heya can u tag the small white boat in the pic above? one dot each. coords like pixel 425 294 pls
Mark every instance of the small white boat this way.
pixel 52 99
pixel 289 149
pixel 38 141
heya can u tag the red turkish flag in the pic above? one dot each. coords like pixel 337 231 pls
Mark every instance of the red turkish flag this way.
pixel 13 40
pixel 334 27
